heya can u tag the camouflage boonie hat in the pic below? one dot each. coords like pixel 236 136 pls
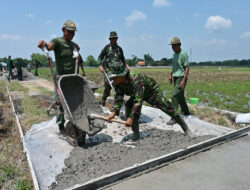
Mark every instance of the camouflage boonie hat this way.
pixel 117 69
pixel 69 25
pixel 113 34
pixel 175 40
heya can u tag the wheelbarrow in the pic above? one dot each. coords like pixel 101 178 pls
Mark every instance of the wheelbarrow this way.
pixel 78 101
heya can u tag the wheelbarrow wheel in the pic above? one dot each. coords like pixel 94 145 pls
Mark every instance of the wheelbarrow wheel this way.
pixel 75 137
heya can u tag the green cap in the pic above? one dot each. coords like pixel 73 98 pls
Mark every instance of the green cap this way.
pixel 113 34
pixel 175 40
pixel 69 25
pixel 117 69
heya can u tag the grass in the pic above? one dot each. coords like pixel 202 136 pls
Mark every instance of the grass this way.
pixel 14 171
pixel 225 89
pixel 16 86
pixel 35 111
pixel 45 91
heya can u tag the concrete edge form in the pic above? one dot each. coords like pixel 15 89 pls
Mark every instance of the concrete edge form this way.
pixel 136 168
pixel 33 174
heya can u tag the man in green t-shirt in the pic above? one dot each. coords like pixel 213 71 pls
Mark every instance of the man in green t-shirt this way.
pixel 65 63
pixel 179 75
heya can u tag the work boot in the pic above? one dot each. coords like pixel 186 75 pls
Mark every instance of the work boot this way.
pixel 135 136
pixel 171 122
pixel 135 128
pixel 184 126
pixel 62 131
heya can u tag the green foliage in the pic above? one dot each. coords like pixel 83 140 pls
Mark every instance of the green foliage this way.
pixel 23 185
pixel 16 86
pixel 149 60
pixel 91 62
pixel 40 59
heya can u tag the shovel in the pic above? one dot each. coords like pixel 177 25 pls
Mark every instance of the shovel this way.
pixel 95 116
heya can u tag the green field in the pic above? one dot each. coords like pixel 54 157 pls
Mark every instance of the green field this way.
pixel 227 89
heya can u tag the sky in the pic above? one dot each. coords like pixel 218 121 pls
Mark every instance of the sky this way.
pixel 210 30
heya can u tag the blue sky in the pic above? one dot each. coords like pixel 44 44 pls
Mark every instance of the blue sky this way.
pixel 212 30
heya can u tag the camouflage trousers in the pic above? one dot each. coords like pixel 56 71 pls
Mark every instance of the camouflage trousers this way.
pixel 59 116
pixel 107 89
pixel 157 100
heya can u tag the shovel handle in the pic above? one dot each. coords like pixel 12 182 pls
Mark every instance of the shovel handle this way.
pixel 106 119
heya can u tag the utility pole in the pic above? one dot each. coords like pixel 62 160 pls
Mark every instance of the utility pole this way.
pixel 190 55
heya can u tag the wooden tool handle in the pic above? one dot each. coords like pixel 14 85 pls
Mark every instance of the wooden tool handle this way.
pixel 106 119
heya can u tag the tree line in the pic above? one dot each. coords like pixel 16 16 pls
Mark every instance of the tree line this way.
pixel 90 61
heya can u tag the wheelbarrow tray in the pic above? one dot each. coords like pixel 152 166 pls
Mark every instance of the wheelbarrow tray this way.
pixel 78 102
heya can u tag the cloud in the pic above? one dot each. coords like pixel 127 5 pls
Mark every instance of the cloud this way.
pixel 196 15
pixel 245 35
pixel 11 37
pixel 49 21
pixel 210 42
pixel 215 23
pixel 110 20
pixel 30 15
pixel 135 16
pixel 141 38
pixel 161 3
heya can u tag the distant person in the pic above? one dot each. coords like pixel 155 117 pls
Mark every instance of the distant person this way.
pixel 10 67
pixel 36 65
pixel 1 67
pixel 140 88
pixel 110 56
pixel 19 69
pixel 179 76
pixel 29 67
pixel 64 62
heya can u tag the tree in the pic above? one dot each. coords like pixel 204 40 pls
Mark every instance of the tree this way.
pixel 90 61
pixel 40 59
pixel 149 60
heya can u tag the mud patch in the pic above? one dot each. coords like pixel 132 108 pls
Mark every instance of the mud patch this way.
pixel 18 106
pixel 104 158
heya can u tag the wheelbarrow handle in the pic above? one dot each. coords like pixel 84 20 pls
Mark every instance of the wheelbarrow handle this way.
pixel 95 116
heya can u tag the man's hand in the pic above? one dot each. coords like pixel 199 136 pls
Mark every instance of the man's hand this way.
pixel 101 69
pixel 170 79
pixel 41 44
pixel 111 116
pixel 77 47
pixel 128 67
pixel 183 84
pixel 129 122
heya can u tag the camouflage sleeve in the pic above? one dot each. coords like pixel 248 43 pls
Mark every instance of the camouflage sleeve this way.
pixel 119 95
pixel 139 88
pixel 100 58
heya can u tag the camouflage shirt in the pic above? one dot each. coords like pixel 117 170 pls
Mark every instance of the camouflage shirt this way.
pixel 109 55
pixel 139 87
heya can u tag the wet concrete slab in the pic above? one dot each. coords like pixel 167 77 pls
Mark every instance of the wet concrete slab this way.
pixel 225 167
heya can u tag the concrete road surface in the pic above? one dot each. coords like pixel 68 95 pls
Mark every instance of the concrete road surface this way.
pixel 226 167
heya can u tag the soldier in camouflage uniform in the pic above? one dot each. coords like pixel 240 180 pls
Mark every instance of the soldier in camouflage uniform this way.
pixel 65 63
pixel 110 56
pixel 19 69
pixel 141 88
pixel 10 67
